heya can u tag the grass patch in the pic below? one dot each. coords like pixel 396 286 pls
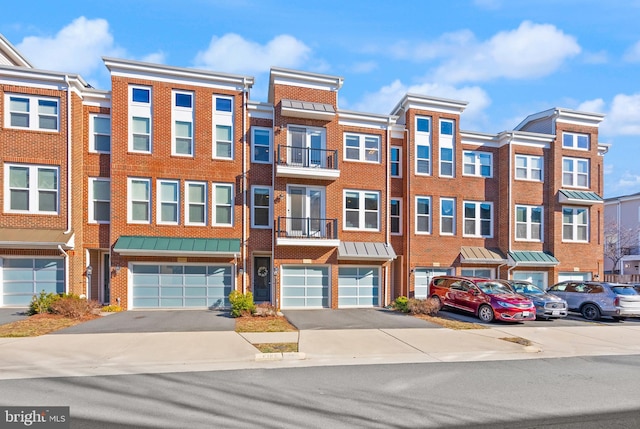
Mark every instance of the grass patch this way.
pixel 39 324
pixel 277 347
pixel 518 340
pixel 449 323
pixel 264 324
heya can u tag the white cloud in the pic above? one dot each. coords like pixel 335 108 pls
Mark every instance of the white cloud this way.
pixel 595 106
pixel 234 54
pixel 623 117
pixel 632 54
pixel 77 48
pixel 155 57
pixel 446 45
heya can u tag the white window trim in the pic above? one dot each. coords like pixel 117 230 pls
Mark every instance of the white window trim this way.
pixel 214 204
pixel 90 211
pixel 417 215
pixel 159 202
pixel 575 174
pixel 447 141
pixel 188 202
pixel 399 149
pixel 140 110
pixel 362 150
pixel 253 207
pixel 453 217
pixel 34 123
pixel 253 145
pixel 130 201
pixel 181 114
pixel 223 118
pixel 529 223
pixel 92 133
pixel 423 138
pixel 477 219
pixel 476 163
pixel 529 168
pixel 32 189
pixel 399 216
pixel 361 209
pixel 575 225
pixel 574 140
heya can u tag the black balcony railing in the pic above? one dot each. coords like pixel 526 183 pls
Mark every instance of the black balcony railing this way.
pixel 306 227
pixel 293 156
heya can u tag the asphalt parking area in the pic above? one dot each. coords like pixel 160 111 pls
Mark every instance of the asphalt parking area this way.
pixel 8 315
pixel 155 321
pixel 354 318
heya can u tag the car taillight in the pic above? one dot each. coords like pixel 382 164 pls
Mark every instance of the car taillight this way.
pixel 616 302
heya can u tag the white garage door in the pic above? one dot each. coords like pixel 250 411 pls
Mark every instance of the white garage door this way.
pixel 537 278
pixel 305 287
pixel 181 286
pixel 358 287
pixel 574 276
pixel 423 277
pixel 22 278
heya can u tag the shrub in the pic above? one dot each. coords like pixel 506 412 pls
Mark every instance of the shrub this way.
pixel 111 308
pixel 400 304
pixel 74 307
pixel 42 303
pixel 241 304
pixel 265 309
pixel 429 306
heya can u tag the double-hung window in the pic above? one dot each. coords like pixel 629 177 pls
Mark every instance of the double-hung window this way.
pixel 575 141
pixel 99 200
pixel 575 224
pixel 447 144
pixel 478 164
pixel 100 133
pixel 261 141
pixel 529 167
pixel 182 111
pixel 529 223
pixel 222 127
pixel 168 201
pixel 139 200
pixel 423 145
pixel 195 203
pixel 396 161
pixel 361 147
pixel 447 216
pixel 362 210
pixel 32 189
pixel 478 219
pixel 32 113
pixel 575 172
pixel 396 216
pixel 222 204
pixel 261 207
pixel 140 124
pixel 423 215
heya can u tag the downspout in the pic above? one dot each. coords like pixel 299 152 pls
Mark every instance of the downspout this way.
pixel 69 193
pixel 510 212
pixel 272 204
pixel 245 92
pixel 407 209
pixel 387 266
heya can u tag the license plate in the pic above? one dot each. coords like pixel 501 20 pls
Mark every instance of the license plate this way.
pixel 555 313
pixel 525 314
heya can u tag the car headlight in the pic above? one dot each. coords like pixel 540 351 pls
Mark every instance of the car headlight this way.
pixel 538 303
pixel 506 304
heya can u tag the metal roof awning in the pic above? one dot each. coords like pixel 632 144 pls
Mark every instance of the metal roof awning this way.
pixel 365 251
pixel 138 245
pixel 532 259
pixel 481 255
pixel 578 197
pixel 307 110
pixel 24 238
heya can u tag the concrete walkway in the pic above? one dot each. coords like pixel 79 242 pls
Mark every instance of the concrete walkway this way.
pixel 161 352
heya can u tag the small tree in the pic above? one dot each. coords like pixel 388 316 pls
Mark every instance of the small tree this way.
pixel 620 241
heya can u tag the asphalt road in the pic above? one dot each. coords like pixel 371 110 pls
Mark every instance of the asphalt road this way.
pixel 591 392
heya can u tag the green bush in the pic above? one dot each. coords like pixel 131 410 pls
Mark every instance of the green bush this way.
pixel 74 307
pixel 111 308
pixel 241 304
pixel 400 304
pixel 429 306
pixel 42 303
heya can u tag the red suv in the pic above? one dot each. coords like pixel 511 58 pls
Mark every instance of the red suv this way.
pixel 485 298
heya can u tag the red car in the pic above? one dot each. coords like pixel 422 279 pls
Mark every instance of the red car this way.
pixel 485 298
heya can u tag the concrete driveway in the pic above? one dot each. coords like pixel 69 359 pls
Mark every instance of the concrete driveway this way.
pixel 8 315
pixel 156 321
pixel 353 318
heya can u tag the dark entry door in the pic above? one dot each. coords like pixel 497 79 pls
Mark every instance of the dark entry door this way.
pixel 262 279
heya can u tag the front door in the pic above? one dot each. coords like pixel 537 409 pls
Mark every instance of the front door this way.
pixel 262 279
pixel 106 277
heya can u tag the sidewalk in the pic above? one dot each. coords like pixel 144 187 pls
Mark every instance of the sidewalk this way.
pixel 135 353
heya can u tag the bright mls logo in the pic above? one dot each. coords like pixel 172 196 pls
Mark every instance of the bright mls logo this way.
pixel 35 417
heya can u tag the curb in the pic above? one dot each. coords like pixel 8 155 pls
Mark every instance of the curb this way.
pixel 260 357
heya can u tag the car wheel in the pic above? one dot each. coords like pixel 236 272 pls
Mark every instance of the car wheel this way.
pixel 437 300
pixel 590 312
pixel 485 313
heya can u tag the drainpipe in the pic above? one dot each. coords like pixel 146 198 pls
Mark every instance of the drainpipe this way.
pixel 509 211
pixel 69 193
pixel 387 266
pixel 245 92
pixel 273 207
pixel 407 204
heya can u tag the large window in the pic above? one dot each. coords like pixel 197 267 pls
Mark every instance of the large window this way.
pixel 31 189
pixel 261 145
pixel 423 145
pixel 168 201
pixel 447 216
pixel 306 147
pixel 223 127
pixel 529 167
pixel 423 215
pixel 182 111
pixel 396 161
pixel 31 112
pixel 575 141
pixel 575 224
pixel 529 223
pixel 99 200
pixel 222 204
pixel 139 200
pixel 261 207
pixel 361 147
pixel 575 172
pixel 446 147
pixel 477 163
pixel 361 210
pixel 396 216
pixel 196 203
pixel 140 137
pixel 478 219
pixel 100 133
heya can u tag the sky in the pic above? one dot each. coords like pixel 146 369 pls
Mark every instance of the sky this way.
pixel 507 58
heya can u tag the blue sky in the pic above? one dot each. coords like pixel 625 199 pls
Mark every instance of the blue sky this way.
pixel 507 58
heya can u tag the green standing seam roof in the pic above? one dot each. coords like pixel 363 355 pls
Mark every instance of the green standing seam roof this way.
pixel 140 244
pixel 538 258
pixel 581 195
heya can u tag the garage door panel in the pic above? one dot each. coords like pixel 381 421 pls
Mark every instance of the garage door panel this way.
pixel 171 302
pixel 358 286
pixel 195 291
pixel 22 278
pixel 305 287
pixel 195 302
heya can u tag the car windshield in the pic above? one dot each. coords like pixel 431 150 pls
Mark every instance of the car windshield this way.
pixel 624 290
pixel 493 288
pixel 527 288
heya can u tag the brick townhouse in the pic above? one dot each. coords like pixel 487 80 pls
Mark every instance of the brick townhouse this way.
pixel 173 188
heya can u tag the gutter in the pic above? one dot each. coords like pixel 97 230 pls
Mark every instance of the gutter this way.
pixel 244 186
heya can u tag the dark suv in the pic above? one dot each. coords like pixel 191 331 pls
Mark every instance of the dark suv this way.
pixel 487 299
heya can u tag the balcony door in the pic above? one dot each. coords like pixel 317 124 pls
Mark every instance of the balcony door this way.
pixel 306 147
pixel 305 211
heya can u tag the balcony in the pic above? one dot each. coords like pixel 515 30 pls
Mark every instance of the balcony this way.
pixel 298 231
pixel 307 163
